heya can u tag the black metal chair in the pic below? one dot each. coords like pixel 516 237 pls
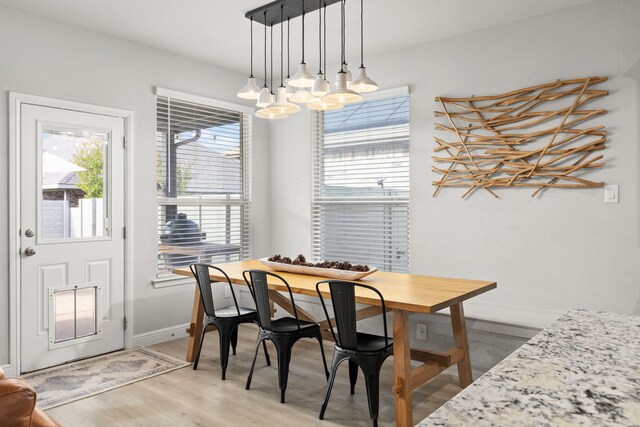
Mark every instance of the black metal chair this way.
pixel 283 332
pixel 225 319
pixel 361 350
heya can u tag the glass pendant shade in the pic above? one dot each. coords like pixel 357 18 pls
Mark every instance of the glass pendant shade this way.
pixel 320 86
pixel 281 106
pixel 318 104
pixel 302 78
pixel 301 96
pixel 265 98
pixel 270 116
pixel 250 90
pixel 363 83
pixel 342 94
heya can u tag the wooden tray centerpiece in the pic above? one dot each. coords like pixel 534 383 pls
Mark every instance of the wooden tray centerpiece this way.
pixel 333 270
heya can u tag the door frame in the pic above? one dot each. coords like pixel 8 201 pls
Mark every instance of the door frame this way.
pixel 16 100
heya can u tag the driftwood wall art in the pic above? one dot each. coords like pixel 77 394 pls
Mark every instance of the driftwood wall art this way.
pixel 533 137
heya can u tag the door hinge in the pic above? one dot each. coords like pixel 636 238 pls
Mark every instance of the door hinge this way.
pixel 124 232
pixel 124 142
pixel 125 323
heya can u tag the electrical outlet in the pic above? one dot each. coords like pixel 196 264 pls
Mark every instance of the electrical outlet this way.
pixel 611 193
pixel 421 331
pixel 227 291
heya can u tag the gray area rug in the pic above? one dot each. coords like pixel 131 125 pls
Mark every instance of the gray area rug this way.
pixel 67 383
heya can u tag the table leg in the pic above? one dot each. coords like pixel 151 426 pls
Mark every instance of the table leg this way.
pixel 460 338
pixel 195 328
pixel 402 369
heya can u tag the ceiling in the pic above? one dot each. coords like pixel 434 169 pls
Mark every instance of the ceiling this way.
pixel 216 31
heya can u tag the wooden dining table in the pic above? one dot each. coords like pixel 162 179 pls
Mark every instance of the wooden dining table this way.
pixel 404 294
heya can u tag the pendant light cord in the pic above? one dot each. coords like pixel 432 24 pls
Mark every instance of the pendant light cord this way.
pixel 342 35
pixel 288 47
pixel 281 44
pixel 251 75
pixel 265 48
pixel 325 37
pixel 271 54
pixel 303 14
pixel 361 33
pixel 320 36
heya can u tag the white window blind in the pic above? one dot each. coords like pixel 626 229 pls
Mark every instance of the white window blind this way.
pixel 360 208
pixel 203 193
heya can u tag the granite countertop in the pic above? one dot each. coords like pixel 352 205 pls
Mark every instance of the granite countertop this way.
pixel 584 369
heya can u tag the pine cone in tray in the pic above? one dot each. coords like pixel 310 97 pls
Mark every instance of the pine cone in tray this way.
pixel 275 258
pixel 302 260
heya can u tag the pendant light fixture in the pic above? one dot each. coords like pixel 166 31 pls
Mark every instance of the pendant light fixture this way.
pixel 303 88
pixel 290 89
pixel 342 94
pixel 251 89
pixel 363 83
pixel 264 98
pixel 302 78
pixel 302 95
pixel 320 85
pixel 282 105
pixel 271 115
pixel 317 103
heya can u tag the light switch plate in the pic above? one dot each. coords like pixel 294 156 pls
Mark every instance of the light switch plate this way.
pixel 611 193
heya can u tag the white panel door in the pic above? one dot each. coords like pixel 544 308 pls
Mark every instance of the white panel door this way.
pixel 72 243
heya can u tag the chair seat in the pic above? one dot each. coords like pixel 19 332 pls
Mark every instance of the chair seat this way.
pixel 370 343
pixel 232 312
pixel 289 324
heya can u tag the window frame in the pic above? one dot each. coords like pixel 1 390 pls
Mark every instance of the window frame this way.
pixel 318 201
pixel 165 278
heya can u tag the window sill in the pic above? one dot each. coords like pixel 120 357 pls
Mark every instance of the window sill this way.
pixel 171 280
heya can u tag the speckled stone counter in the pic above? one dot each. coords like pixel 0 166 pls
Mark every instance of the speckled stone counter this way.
pixel 584 369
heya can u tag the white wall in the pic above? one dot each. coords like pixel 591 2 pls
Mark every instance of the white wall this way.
pixel 561 250
pixel 41 57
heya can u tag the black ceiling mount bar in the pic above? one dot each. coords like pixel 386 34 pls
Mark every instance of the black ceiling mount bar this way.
pixel 291 9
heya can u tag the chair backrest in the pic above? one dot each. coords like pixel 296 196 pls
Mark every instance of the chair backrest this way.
pixel 201 273
pixel 257 280
pixel 343 299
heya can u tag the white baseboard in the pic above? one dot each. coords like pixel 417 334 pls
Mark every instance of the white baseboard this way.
pixel 9 371
pixel 159 335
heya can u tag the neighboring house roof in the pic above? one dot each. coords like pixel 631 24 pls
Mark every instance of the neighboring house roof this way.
pixel 60 181
pixel 212 172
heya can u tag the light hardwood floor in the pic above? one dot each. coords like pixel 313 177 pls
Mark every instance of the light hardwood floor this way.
pixel 199 398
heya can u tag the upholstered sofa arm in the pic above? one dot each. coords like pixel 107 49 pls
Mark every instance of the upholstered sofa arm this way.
pixel 18 405
pixel 17 402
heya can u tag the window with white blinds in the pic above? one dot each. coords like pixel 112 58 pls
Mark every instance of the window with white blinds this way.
pixel 202 159
pixel 360 208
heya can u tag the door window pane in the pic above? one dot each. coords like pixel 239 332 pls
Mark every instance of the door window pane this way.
pixel 74 184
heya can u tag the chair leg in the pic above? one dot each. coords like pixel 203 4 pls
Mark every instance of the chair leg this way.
pixel 195 363
pixel 253 364
pixel 284 358
pixel 266 353
pixel 334 369
pixel 372 380
pixel 234 339
pixel 324 359
pixel 353 375
pixel 225 336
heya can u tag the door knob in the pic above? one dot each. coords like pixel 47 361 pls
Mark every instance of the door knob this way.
pixel 29 232
pixel 29 252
